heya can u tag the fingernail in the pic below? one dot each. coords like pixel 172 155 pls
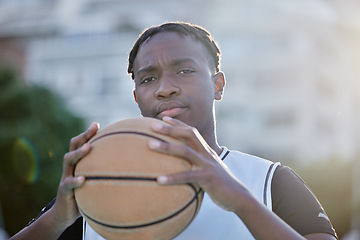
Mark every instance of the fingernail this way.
pixel 80 180
pixel 162 179
pixel 97 125
pixel 167 118
pixel 157 126
pixel 153 144
pixel 86 146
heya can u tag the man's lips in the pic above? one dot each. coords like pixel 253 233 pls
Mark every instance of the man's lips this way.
pixel 171 112
pixel 170 109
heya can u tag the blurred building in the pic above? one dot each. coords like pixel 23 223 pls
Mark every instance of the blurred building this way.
pixel 292 67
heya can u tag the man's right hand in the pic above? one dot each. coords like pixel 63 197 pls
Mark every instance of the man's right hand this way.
pixel 65 209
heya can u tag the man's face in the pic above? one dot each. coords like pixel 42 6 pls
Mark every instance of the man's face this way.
pixel 173 77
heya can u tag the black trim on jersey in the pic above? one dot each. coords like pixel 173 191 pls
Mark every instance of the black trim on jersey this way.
pixel 84 228
pixel 266 184
pixel 227 153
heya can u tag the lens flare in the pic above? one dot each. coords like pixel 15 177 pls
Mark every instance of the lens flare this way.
pixel 25 160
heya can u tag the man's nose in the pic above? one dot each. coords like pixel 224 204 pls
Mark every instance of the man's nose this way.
pixel 167 87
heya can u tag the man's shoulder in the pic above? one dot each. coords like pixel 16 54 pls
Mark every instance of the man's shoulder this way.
pixel 235 156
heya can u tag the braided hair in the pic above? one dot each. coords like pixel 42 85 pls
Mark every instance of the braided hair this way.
pixel 186 29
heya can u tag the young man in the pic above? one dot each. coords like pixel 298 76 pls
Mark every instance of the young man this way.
pixel 176 70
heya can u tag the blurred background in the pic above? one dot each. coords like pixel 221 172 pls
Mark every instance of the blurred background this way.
pixel 292 93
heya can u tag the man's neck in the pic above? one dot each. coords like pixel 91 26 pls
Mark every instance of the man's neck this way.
pixel 211 140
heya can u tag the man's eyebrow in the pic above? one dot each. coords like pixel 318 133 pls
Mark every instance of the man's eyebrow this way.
pixel 146 69
pixel 175 62
pixel 180 61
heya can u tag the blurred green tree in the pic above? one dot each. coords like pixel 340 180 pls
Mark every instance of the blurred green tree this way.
pixel 35 129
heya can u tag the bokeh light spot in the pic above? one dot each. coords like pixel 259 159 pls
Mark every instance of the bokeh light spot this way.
pixel 25 160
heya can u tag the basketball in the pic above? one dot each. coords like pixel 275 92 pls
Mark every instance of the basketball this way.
pixel 121 198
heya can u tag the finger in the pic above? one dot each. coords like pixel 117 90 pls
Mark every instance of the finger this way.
pixel 177 150
pixel 181 131
pixel 72 158
pixel 173 121
pixel 177 178
pixel 84 137
pixel 73 182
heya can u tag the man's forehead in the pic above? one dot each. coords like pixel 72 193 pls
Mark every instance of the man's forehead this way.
pixel 165 36
pixel 171 49
pixel 172 44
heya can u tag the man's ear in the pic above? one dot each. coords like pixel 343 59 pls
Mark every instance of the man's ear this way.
pixel 135 98
pixel 219 80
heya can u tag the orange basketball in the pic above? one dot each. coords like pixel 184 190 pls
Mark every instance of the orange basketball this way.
pixel 121 198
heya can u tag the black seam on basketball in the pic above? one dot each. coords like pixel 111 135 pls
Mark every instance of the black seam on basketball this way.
pixel 155 222
pixel 128 132
pixel 196 207
pixel 120 178
pixel 125 178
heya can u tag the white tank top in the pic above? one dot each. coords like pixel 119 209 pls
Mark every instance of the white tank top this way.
pixel 214 223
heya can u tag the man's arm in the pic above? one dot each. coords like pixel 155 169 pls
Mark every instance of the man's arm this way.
pixel 320 236
pixel 45 227
pixel 264 224
pixel 213 176
pixel 295 203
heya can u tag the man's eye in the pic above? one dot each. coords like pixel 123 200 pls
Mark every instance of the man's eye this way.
pixel 186 71
pixel 148 79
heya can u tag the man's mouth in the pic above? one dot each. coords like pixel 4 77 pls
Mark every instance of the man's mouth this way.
pixel 170 109
pixel 171 112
